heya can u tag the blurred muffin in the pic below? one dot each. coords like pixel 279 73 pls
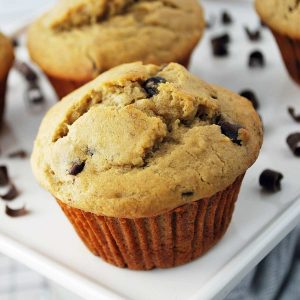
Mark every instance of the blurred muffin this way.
pixel 6 61
pixel 283 18
pixel 78 40
pixel 147 163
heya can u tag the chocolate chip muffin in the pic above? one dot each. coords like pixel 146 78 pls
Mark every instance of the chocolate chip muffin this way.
pixel 147 162
pixel 283 18
pixel 6 61
pixel 78 40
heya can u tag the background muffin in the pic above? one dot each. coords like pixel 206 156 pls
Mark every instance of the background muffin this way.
pixel 78 40
pixel 6 61
pixel 147 162
pixel 283 18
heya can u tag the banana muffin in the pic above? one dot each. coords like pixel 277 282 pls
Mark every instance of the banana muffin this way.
pixel 77 40
pixel 283 18
pixel 147 162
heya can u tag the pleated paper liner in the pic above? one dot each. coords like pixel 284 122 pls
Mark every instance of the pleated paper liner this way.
pixel 2 98
pixel 290 51
pixel 167 240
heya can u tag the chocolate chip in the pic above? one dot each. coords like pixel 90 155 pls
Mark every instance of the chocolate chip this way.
pixel 11 194
pixel 29 74
pixel 220 45
pixel 151 85
pixel 292 113
pixel 15 42
pixel 293 140
pixel 16 212
pixel 4 178
pixel 18 154
pixel 231 131
pixel 226 18
pixel 34 94
pixel 270 180
pixel 187 194
pixel 254 35
pixel 77 168
pixel 256 59
pixel 250 95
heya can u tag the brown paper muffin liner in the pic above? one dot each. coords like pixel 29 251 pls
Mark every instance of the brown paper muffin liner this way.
pixel 63 87
pixel 290 51
pixel 2 98
pixel 167 240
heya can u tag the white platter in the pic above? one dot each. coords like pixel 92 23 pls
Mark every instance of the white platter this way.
pixel 46 242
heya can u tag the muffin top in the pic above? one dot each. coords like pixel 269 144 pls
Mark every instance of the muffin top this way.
pixel 80 39
pixel 6 55
pixel 281 15
pixel 141 139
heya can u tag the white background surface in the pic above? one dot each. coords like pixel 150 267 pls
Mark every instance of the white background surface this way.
pixel 45 241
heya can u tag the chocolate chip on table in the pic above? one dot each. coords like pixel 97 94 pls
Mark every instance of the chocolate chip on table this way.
pixel 11 212
pixel 187 194
pixel 4 178
pixel 77 168
pixel 220 45
pixel 226 18
pixel 254 35
pixel 293 141
pixel 293 114
pixel 29 74
pixel 151 85
pixel 256 59
pixel 11 194
pixel 250 95
pixel 270 180
pixel 18 154
pixel 231 131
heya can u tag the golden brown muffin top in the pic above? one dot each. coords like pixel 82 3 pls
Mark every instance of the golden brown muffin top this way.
pixel 282 16
pixel 77 40
pixel 6 55
pixel 140 140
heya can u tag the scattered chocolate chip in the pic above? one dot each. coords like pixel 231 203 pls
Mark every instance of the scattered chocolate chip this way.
pixel 293 140
pixel 187 194
pixel 231 131
pixel 29 74
pixel 270 180
pixel 254 35
pixel 34 94
pixel 256 59
pixel 76 168
pixel 11 194
pixel 220 45
pixel 4 178
pixel 18 154
pixel 11 212
pixel 293 114
pixel 226 18
pixel 250 95
pixel 151 85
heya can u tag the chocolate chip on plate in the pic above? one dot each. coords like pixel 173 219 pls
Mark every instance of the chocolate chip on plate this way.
pixel 11 212
pixel 18 154
pixel 29 74
pixel 270 180
pixel 151 85
pixel 11 194
pixel 250 95
pixel 256 59
pixel 220 45
pixel 77 168
pixel 231 131
pixel 293 140
pixel 4 178
pixel 226 18
pixel 253 35
pixel 293 114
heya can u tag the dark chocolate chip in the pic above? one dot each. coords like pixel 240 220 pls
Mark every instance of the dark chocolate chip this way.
pixel 231 131
pixel 151 85
pixel 250 95
pixel 11 194
pixel 254 35
pixel 34 94
pixel 221 39
pixel 29 74
pixel 293 140
pixel 15 42
pixel 11 212
pixel 270 180
pixel 220 45
pixel 292 113
pixel 187 194
pixel 18 154
pixel 226 18
pixel 77 168
pixel 4 178
pixel 256 59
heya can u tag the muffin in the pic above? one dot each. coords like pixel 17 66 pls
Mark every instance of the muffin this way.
pixel 77 40
pixel 6 61
pixel 283 18
pixel 147 163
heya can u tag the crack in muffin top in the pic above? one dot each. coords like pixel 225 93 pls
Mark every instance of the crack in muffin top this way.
pixel 141 139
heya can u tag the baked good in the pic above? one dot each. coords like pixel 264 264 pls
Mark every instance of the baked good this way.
pixel 6 61
pixel 77 40
pixel 283 18
pixel 147 162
